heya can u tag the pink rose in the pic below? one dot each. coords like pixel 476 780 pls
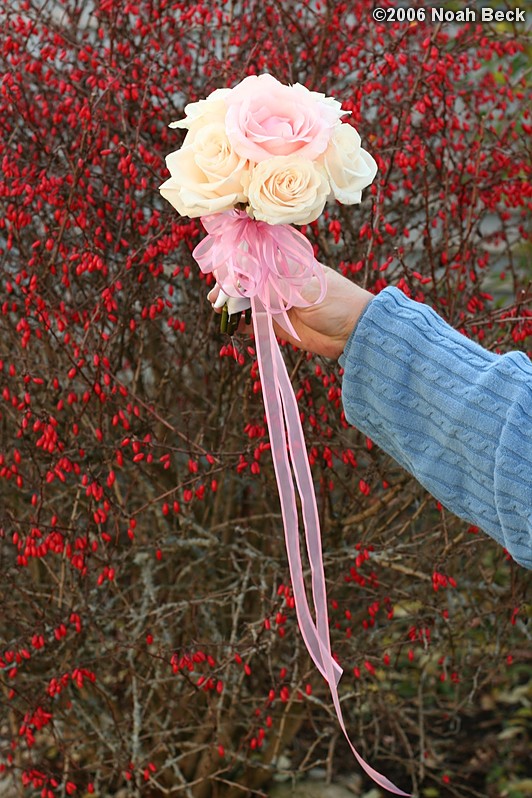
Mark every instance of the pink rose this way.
pixel 265 118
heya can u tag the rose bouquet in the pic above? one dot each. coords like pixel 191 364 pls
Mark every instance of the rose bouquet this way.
pixel 276 153
pixel 257 159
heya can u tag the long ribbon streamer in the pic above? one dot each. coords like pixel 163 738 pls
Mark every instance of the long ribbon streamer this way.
pixel 248 260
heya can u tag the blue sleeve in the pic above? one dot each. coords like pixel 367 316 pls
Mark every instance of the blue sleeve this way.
pixel 457 417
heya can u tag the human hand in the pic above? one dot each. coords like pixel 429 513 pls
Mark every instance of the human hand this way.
pixel 323 328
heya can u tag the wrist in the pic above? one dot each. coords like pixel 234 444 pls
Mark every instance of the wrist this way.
pixel 357 310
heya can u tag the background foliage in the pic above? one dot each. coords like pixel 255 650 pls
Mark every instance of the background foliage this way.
pixel 148 640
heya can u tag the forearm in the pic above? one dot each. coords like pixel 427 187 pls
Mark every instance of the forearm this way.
pixel 459 418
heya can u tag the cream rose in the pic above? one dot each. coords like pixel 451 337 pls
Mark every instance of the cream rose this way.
pixel 349 167
pixel 206 173
pixel 287 190
pixel 204 112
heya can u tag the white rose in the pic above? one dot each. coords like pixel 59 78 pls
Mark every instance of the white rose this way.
pixel 213 109
pixel 348 166
pixel 206 174
pixel 287 190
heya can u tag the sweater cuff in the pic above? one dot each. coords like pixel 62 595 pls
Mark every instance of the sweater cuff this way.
pixel 345 354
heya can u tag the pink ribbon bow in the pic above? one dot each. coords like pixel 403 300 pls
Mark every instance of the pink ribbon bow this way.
pixel 270 264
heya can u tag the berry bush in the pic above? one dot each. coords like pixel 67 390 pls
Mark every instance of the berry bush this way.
pixel 148 640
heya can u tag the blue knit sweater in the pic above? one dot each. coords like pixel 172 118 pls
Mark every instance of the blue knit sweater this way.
pixel 457 417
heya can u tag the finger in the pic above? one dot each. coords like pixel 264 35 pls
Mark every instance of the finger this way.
pixel 217 298
pixel 212 296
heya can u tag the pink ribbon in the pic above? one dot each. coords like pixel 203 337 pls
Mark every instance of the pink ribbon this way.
pixel 255 259
pixel 270 264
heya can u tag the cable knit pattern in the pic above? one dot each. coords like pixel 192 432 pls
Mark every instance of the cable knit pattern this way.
pixel 457 417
